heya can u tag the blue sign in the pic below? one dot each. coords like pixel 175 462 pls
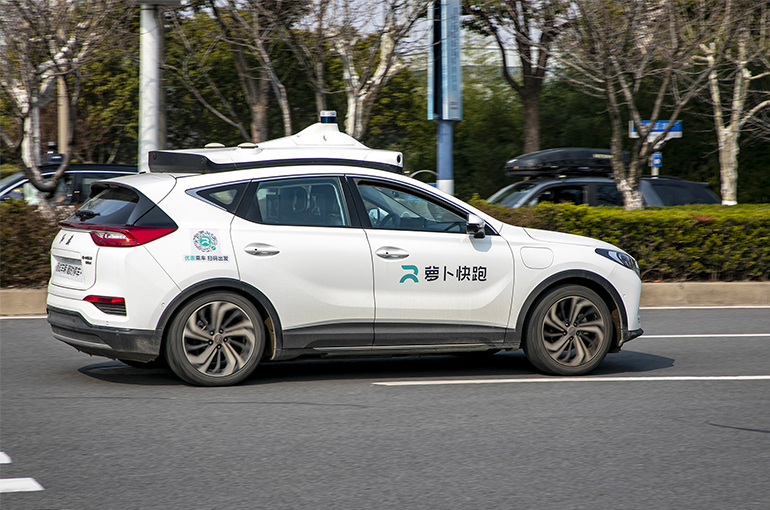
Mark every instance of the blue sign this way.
pixel 657 159
pixel 657 129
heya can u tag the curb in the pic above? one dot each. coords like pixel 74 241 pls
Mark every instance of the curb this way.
pixel 29 302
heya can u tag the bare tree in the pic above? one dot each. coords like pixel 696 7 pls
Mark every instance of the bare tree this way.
pixel 40 41
pixel 529 28
pixel 622 50
pixel 309 37
pixel 735 104
pixel 368 39
pixel 247 31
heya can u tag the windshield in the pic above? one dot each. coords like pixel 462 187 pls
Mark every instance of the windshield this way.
pixel 511 195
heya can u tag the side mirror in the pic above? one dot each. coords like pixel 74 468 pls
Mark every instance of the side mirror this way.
pixel 475 226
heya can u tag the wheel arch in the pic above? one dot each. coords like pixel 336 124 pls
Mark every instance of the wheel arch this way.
pixel 593 281
pixel 257 298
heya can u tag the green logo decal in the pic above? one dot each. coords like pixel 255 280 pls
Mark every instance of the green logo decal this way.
pixel 412 277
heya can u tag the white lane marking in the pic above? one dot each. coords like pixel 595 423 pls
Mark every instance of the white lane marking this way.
pixel 580 379
pixel 19 485
pixel 715 335
pixel 705 307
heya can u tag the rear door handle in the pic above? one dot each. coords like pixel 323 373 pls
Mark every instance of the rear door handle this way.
pixel 261 249
pixel 391 253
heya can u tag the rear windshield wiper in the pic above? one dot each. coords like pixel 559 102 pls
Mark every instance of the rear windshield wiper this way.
pixel 84 215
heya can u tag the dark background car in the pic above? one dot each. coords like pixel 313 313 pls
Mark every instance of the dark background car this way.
pixel 74 187
pixel 596 191
pixel 584 176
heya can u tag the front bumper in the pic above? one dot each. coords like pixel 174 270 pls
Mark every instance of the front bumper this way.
pixel 116 343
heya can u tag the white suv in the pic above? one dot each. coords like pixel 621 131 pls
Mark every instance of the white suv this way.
pixel 222 258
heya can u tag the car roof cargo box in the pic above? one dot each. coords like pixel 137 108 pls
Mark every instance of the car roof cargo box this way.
pixel 320 144
pixel 565 161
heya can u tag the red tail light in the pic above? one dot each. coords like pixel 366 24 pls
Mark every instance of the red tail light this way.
pixel 104 235
pixel 107 300
pixel 107 304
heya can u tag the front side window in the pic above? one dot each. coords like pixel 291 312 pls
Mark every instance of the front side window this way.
pixel 393 208
pixel 309 201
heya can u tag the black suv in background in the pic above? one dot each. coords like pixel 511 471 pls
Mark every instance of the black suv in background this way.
pixel 584 176
pixel 74 187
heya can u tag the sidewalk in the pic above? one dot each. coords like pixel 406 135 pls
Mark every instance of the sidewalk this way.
pixel 24 302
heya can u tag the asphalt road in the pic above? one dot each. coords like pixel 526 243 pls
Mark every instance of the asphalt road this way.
pixel 673 422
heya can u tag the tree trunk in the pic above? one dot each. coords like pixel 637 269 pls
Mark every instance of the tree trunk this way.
pixel 728 164
pixel 259 110
pixel 320 95
pixel 530 100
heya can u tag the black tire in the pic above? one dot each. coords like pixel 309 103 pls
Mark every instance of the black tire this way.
pixel 216 339
pixel 569 331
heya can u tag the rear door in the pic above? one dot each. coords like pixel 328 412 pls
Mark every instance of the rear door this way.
pixel 296 242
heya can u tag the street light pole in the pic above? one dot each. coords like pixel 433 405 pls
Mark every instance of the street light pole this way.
pixel 151 133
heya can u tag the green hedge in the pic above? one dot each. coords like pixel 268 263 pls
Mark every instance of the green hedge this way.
pixel 25 241
pixel 670 243
pixel 705 242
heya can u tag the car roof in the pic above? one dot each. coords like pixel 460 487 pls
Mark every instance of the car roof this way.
pixel 321 143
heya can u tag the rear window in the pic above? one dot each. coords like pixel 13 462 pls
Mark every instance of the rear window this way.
pixel 121 206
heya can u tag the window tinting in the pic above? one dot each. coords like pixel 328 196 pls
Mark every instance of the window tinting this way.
pixel 309 201
pixel 608 194
pixel 112 206
pixel 674 193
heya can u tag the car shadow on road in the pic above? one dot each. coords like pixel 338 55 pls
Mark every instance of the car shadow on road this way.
pixel 503 364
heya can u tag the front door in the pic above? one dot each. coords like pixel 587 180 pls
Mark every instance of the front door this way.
pixel 434 283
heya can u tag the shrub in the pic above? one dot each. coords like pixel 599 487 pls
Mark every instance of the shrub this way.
pixel 25 241
pixel 670 243
pixel 704 242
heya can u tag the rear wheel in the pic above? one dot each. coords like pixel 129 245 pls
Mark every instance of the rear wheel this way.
pixel 215 340
pixel 569 332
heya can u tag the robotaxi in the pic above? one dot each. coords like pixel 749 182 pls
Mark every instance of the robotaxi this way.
pixel 223 258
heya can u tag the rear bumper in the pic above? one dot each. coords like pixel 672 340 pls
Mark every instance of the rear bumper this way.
pixel 630 335
pixel 116 343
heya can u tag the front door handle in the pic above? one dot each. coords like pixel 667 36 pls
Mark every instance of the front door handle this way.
pixel 391 253
pixel 261 249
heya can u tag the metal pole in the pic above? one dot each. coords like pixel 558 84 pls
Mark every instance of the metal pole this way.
pixel 149 84
pixel 444 162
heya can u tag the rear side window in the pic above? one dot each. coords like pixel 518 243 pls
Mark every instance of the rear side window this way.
pixel 121 206
pixel 676 193
pixel 308 201
pixel 608 195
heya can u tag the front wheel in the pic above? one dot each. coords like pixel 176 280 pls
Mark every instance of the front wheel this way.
pixel 569 331
pixel 216 339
